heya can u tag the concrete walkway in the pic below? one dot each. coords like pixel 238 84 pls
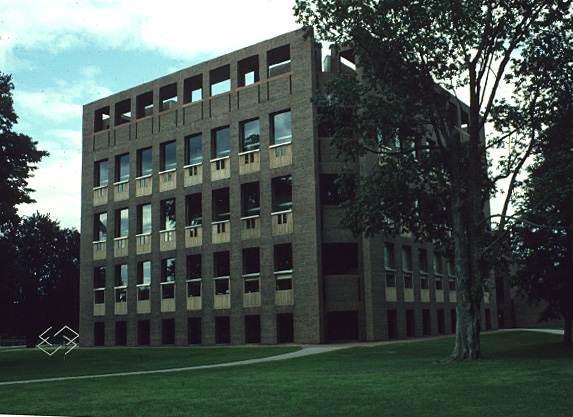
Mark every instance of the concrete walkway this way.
pixel 305 351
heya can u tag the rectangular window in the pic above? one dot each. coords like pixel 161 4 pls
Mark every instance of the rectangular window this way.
pixel 389 256
pixel 122 167
pixel 251 261
pixel 121 275
pixel 281 193
pixel 451 267
pixel 101 174
pixel 168 270
pixel 101 119
pixel 121 222
pixel 452 284
pixel 144 273
pixel 168 214
pixel 220 142
pixel 278 61
pixel 220 79
pixel 281 128
pixel 194 149
pixel 168 96
pixel 284 282
pixel 168 156
pixel 340 258
pixel 193 210
pixel 123 112
pixel 423 260
pixel 221 210
pixel 251 285
pixel 406 258
pixel 99 277
pixel 193 89
pixel 283 257
pixel 144 105
pixel 439 284
pixel 250 199
pixel 248 71
pixel 194 288
pixel 328 189
pixel 144 162
pixel 438 264
pixel 193 266
pixel 144 218
pixel 424 283
pixel 222 287
pixel 249 135
pixel 100 227
pixel 390 279
pixel 221 264
pixel 408 283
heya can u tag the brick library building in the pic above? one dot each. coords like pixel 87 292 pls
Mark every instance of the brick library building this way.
pixel 209 216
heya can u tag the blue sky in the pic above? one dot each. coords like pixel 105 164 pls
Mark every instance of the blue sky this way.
pixel 64 53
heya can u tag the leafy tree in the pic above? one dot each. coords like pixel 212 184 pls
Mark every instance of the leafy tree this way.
pixel 18 154
pixel 45 276
pixel 544 242
pixel 432 178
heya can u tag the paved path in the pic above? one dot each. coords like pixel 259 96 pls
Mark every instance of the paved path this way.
pixel 305 351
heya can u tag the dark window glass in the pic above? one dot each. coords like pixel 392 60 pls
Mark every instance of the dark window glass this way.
pixel 221 266
pixel 101 173
pixel 250 205
pixel 340 258
pixel 122 167
pixel 438 264
pixel 193 207
pixel 281 125
pixel 423 259
pixel 250 135
pixel 144 219
pixel 251 261
pixel 168 214
pixel 168 156
pixel 121 223
pixel 221 205
pixel 406 258
pixel 222 286
pixel 193 266
pixel 389 256
pixel 283 257
pixel 100 227
pixel 99 277
pixel 194 289
pixel 121 275
pixel 168 270
pixel 194 147
pixel 282 193
pixel 144 273
pixel 144 162
pixel 221 142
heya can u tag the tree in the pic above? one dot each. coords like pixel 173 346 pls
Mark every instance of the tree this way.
pixel 544 242
pixel 18 156
pixel 45 276
pixel 432 178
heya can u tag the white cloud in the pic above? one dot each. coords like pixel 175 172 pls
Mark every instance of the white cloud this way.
pixel 175 28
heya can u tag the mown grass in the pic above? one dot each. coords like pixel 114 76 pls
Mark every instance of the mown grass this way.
pixel 522 374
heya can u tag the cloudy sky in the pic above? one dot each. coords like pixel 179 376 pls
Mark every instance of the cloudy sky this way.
pixel 63 54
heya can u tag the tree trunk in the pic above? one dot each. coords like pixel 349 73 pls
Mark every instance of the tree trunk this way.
pixel 567 331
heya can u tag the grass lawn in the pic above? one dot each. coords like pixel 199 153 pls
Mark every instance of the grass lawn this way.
pixel 33 364
pixel 523 374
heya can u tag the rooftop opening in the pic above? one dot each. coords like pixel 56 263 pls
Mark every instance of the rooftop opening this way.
pixel 251 261
pixel 250 201
pixel 123 112
pixel 347 59
pixel 144 104
pixel 101 119
pixel 278 61
pixel 193 209
pixel 339 259
pixel 221 264
pixel 281 193
pixel 168 96
pixel 221 211
pixel 248 71
pixel 220 80
pixel 193 89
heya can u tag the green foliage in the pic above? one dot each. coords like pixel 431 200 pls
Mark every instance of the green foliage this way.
pixel 18 154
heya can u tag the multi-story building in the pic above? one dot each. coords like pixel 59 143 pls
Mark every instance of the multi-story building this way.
pixel 209 216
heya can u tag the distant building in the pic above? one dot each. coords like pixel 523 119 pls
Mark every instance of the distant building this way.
pixel 209 216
